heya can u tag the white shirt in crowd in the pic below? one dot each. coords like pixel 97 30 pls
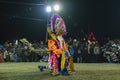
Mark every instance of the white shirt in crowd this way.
pixel 5 53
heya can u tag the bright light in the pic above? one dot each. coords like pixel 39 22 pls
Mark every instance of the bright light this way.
pixel 48 9
pixel 56 7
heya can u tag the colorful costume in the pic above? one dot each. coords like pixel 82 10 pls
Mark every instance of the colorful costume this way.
pixel 59 53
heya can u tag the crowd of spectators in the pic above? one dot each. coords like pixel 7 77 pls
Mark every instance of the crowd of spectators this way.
pixel 19 52
pixel 111 51
pixel 83 52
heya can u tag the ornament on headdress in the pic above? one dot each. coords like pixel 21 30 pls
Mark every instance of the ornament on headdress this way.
pixel 53 22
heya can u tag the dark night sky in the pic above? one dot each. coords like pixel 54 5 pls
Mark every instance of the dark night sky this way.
pixel 21 20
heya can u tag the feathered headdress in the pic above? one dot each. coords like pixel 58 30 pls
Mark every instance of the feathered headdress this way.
pixel 57 24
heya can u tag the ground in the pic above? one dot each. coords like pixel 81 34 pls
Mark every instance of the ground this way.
pixel 84 71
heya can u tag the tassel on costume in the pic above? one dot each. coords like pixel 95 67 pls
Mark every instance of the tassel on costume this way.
pixel 71 65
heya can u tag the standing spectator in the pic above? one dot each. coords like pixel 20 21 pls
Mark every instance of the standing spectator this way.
pixel 119 57
pixel 1 55
pixel 15 57
pixel 84 47
pixel 75 47
pixel 91 55
pixel 96 52
pixel 5 55
pixel 79 56
pixel 1 59
pixel 11 56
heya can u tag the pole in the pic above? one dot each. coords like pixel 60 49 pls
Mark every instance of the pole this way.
pixel 46 37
